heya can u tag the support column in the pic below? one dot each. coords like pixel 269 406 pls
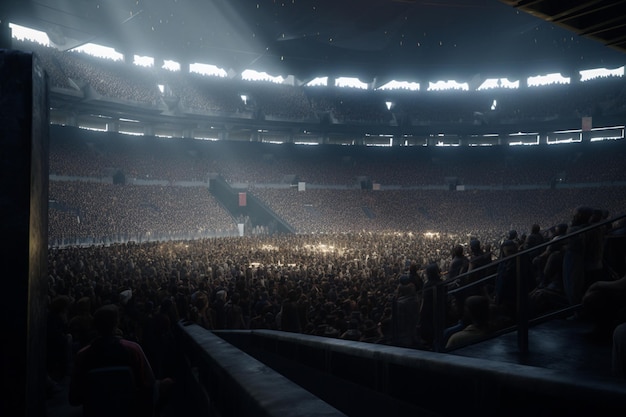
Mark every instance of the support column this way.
pixel 113 126
pixel 5 34
pixel 24 136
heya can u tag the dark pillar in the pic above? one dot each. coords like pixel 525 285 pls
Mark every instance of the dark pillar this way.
pixel 24 115
pixel 5 34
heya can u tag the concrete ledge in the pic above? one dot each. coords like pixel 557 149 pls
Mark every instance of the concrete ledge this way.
pixel 239 385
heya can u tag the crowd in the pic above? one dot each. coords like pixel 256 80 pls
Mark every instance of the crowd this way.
pixel 100 213
pixel 96 212
pixel 351 105
pixel 373 287
pixel 244 282
pixel 198 94
pixel 123 81
pixel 436 211
pixel 174 201
pixel 77 153
pixel 99 156
pixel 362 263
pixel 280 101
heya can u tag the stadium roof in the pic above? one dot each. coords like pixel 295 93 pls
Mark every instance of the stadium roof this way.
pixel 383 39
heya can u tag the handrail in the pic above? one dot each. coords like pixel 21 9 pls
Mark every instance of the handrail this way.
pixel 524 321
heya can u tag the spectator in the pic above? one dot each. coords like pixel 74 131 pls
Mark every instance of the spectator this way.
pixel 427 312
pixel 618 364
pixel 574 256
pixel 477 314
pixel 81 324
pixel 548 265
pixel 604 303
pixel 353 332
pixel 406 314
pixel 459 263
pixel 594 249
pixel 234 313
pixel 202 312
pixel 535 238
pixel 371 332
pixel 290 318
pixel 478 259
pixel 505 296
pixel 59 339
pixel 109 350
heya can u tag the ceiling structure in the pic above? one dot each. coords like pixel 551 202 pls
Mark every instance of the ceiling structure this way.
pixel 604 21
pixel 369 39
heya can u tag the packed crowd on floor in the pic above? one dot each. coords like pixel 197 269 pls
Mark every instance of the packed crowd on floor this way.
pixel 372 287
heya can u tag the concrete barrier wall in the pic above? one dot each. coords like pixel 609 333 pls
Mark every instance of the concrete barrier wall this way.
pixel 236 384
pixel 439 383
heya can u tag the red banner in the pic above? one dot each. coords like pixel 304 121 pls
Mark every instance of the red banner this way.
pixel 242 199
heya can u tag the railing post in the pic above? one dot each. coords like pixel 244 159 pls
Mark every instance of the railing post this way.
pixel 522 307
pixel 440 304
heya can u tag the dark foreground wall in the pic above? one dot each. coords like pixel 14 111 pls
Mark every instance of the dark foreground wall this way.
pixel 363 379
pixel 23 226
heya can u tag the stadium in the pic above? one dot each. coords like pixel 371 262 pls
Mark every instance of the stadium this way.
pixel 302 194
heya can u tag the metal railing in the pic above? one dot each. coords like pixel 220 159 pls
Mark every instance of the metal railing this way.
pixel 523 318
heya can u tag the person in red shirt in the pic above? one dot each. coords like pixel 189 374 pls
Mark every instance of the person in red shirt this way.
pixel 109 350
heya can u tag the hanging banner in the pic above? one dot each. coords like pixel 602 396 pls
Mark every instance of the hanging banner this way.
pixel 242 199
